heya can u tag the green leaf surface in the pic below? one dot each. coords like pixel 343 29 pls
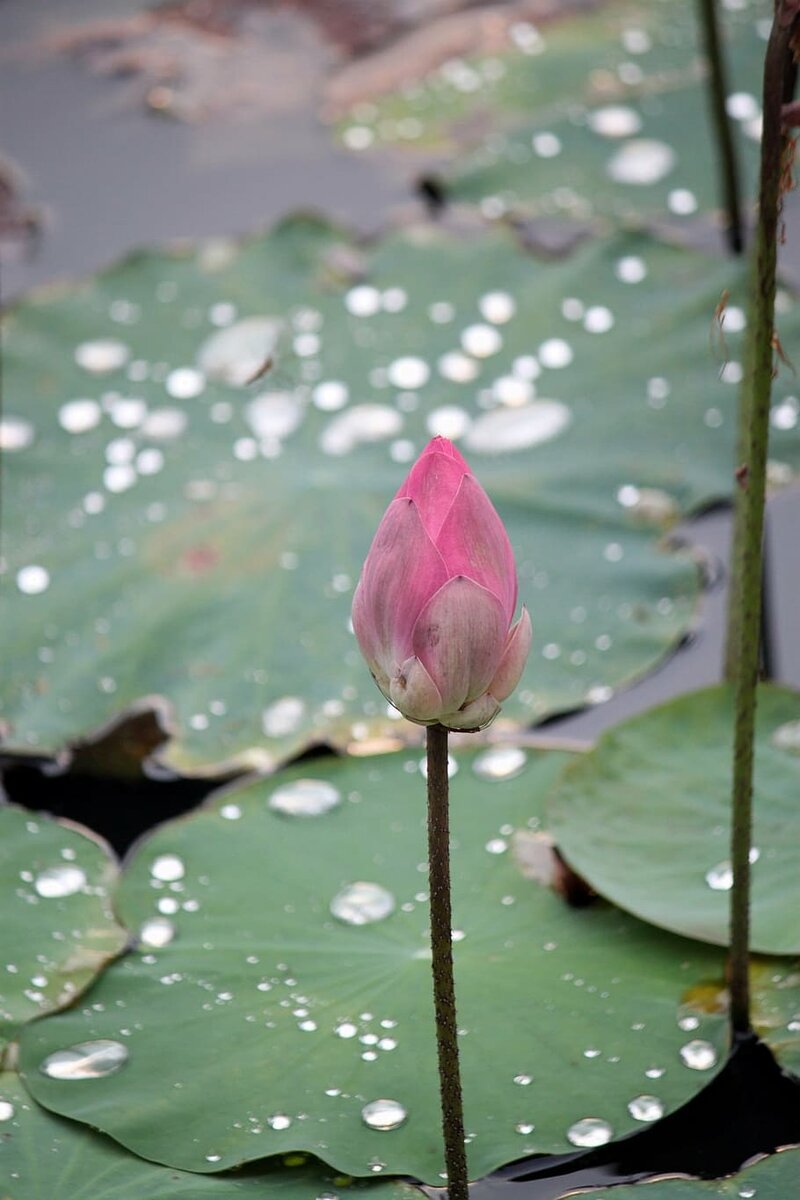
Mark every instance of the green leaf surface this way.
pixel 204 547
pixel 773 1178
pixel 566 1013
pixel 43 1157
pixel 543 121
pixel 645 818
pixel 57 930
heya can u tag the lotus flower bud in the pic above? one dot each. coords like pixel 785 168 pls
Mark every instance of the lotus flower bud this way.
pixel 434 607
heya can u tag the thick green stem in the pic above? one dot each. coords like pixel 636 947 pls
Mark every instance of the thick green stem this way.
pixel 717 93
pixel 442 951
pixel 743 649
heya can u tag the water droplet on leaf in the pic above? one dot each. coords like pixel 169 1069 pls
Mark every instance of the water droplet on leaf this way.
pixel 646 1108
pixel 157 932
pixel 699 1055
pixel 590 1132
pixel 384 1114
pixel 57 882
pixel 362 903
pixel 168 868
pixel 86 1060
pixel 305 798
pixel 500 762
pixel 642 161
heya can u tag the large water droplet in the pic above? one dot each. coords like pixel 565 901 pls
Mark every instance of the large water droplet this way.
pixel 450 421
pixel 646 1108
pixel 699 1055
pixel 497 307
pixel 15 433
pixel 305 798
pixel 101 356
pixel 235 354
pixel 164 423
pixel 481 341
pixel 615 121
pixel 458 367
pixel 742 106
pixel 512 391
pixel 33 579
pixel 157 932
pixel 720 877
pixel 283 716
pixel 384 1114
pixel 408 373
pixel 86 1060
pixel 642 161
pixel 274 415
pixel 546 144
pixel 555 354
pixel 6 1110
pixel 184 383
pixel 168 868
pixel 682 202
pixel 346 1029
pixel 651 504
pixel 784 416
pixel 119 477
pixel 279 1121
pixel 330 395
pixel 362 903
pixel 787 737
pixel 364 423
pixel 508 429
pixel 57 882
pixel 589 1132
pixel 127 411
pixel 598 319
pixel 363 301
pixel 500 762
pixel 630 269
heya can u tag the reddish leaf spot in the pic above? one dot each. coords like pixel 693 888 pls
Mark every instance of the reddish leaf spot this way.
pixel 197 560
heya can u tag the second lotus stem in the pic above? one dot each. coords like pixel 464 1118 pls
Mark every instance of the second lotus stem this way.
pixel 745 611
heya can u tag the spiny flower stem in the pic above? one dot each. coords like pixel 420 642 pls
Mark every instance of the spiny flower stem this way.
pixel 745 610
pixel 442 960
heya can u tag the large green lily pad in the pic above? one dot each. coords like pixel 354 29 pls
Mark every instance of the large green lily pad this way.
pixel 566 1013
pixel 204 547
pixel 645 817
pixel 545 120
pixel 42 1156
pixel 57 930
pixel 773 1178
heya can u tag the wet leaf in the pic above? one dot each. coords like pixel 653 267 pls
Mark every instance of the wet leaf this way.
pixel 42 1156
pixel 57 930
pixel 603 114
pixel 173 532
pixel 645 817
pixel 773 1178
pixel 258 984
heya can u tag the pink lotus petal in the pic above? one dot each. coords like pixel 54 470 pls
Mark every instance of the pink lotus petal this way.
pixel 473 542
pixel 459 636
pixel 432 484
pixel 403 569
pixel 415 694
pixel 476 715
pixel 512 663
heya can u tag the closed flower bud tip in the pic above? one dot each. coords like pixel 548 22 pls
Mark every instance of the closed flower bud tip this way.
pixel 434 607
